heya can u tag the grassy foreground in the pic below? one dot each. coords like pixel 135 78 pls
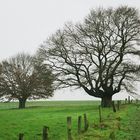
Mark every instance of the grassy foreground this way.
pixel 31 120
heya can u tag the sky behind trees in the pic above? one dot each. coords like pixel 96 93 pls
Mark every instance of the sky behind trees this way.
pixel 25 24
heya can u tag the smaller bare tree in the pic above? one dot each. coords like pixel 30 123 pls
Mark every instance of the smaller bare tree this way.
pixel 25 77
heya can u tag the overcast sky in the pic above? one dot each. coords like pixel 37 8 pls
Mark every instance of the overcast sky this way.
pixel 25 24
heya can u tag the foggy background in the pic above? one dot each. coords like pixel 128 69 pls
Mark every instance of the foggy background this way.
pixel 25 24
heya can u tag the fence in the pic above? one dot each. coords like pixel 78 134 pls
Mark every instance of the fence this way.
pixel 116 106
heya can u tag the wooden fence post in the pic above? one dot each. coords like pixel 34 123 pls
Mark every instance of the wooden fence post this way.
pixel 125 100
pixel 21 135
pixel 100 117
pixel 69 128
pixel 79 124
pixel 129 100
pixel 45 133
pixel 113 106
pixel 118 105
pixel 85 122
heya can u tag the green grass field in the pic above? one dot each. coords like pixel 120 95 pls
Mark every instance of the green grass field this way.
pixel 53 114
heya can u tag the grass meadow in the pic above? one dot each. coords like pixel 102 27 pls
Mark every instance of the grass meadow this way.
pixel 53 114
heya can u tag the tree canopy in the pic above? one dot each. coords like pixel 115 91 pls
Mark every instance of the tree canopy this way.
pixel 99 55
pixel 25 77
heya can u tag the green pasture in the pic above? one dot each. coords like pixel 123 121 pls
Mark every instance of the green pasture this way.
pixel 53 114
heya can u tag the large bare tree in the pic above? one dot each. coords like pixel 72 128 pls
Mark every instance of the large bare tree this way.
pixel 99 55
pixel 25 77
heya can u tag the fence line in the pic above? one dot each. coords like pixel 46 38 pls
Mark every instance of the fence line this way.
pixel 45 131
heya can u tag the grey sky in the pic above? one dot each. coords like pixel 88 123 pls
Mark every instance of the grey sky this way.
pixel 25 24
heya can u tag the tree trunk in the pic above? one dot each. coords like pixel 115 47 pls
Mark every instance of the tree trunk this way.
pixel 22 103
pixel 106 101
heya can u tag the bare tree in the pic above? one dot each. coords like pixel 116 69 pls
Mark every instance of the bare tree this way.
pixel 97 55
pixel 25 77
